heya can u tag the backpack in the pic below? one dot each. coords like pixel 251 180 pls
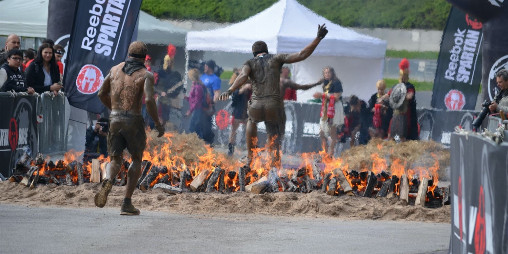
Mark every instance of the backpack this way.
pixel 207 103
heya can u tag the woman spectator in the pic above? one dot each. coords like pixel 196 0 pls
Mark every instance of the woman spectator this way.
pixel 332 110
pixel 240 99
pixel 43 73
pixel 199 101
pixel 380 110
pixel 11 78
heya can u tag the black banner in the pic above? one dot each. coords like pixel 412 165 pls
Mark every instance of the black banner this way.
pixel 18 129
pixel 478 194
pixel 100 38
pixel 60 19
pixel 494 15
pixel 458 73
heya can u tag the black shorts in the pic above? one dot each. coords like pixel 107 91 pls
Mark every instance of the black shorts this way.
pixel 126 131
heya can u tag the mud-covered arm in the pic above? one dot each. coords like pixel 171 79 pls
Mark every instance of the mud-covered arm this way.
pixel 307 51
pixel 290 84
pixel 239 81
pixel 104 92
pixel 151 107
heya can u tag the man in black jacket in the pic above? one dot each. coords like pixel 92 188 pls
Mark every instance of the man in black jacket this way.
pixel 11 78
pixel 12 42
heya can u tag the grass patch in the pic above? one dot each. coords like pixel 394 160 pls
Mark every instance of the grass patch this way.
pixel 412 54
pixel 226 74
pixel 419 86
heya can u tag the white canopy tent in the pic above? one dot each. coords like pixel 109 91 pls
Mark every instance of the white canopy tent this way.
pixel 287 27
pixel 28 18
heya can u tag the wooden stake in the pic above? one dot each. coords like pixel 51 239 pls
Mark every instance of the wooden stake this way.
pixel 145 165
pixel 273 178
pixel 222 185
pixel 241 177
pixel 371 183
pixel 326 181
pixel 79 172
pixel 346 187
pixel 199 180
pixel 213 180
pixel 404 188
pixel 95 175
pixel 184 175
pixel 384 188
pixel 332 187
pixel 422 192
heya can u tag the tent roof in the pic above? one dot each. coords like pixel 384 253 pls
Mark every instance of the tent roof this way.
pixel 29 18
pixel 287 27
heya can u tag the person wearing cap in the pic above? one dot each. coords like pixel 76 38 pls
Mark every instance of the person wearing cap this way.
pixel 266 104
pixel 122 92
pixel 210 80
pixel 12 42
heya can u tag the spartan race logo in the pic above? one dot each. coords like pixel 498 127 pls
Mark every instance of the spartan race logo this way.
pixel 89 79
pixel 454 100
pixel 501 63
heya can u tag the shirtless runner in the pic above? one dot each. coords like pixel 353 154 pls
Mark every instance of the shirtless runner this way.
pixel 266 104
pixel 122 93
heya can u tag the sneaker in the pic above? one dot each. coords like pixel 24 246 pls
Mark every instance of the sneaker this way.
pixel 231 149
pixel 129 209
pixel 102 196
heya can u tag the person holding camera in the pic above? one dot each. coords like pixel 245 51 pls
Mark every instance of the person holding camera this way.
pixel 500 102
pixel 96 143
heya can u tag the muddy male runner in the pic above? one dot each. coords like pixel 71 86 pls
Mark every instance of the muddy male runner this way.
pixel 266 104
pixel 122 93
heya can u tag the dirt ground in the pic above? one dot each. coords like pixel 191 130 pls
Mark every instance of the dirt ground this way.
pixel 283 204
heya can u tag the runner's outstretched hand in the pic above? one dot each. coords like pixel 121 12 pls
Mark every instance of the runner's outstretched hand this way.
pixel 322 31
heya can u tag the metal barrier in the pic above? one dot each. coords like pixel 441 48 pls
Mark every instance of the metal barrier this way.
pixel 51 123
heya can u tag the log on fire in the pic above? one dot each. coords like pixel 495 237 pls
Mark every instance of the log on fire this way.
pixel 222 184
pixel 332 186
pixel 184 176
pixel 167 188
pixel 384 188
pixel 214 177
pixel 371 183
pixel 326 181
pixel 344 184
pixel 259 187
pixel 242 172
pixel 404 188
pixel 145 165
pixel 95 175
pixel 422 192
pixel 151 176
pixel 199 180
pixel 273 179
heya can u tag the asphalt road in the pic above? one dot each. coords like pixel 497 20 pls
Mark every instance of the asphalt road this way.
pixel 65 230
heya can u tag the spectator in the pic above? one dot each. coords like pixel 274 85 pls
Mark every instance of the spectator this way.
pixel 28 57
pixel 96 143
pixel 405 107
pixel 169 87
pixel 380 111
pixel 43 74
pixel 200 122
pixel 288 87
pixel 210 80
pixel 332 109
pixel 148 120
pixel 11 77
pixel 359 121
pixel 49 41
pixel 59 52
pixel 12 42
pixel 289 93
pixel 500 102
pixel 240 99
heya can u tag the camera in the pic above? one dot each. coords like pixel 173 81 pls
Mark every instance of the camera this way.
pixel 485 111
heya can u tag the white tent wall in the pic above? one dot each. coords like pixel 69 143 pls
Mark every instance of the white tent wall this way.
pixel 358 75
pixel 287 27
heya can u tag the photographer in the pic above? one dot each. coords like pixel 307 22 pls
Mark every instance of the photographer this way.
pixel 96 140
pixel 501 101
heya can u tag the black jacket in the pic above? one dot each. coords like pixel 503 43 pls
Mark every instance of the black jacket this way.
pixel 15 80
pixel 35 76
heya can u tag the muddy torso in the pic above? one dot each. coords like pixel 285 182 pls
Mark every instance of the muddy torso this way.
pixel 265 76
pixel 127 91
